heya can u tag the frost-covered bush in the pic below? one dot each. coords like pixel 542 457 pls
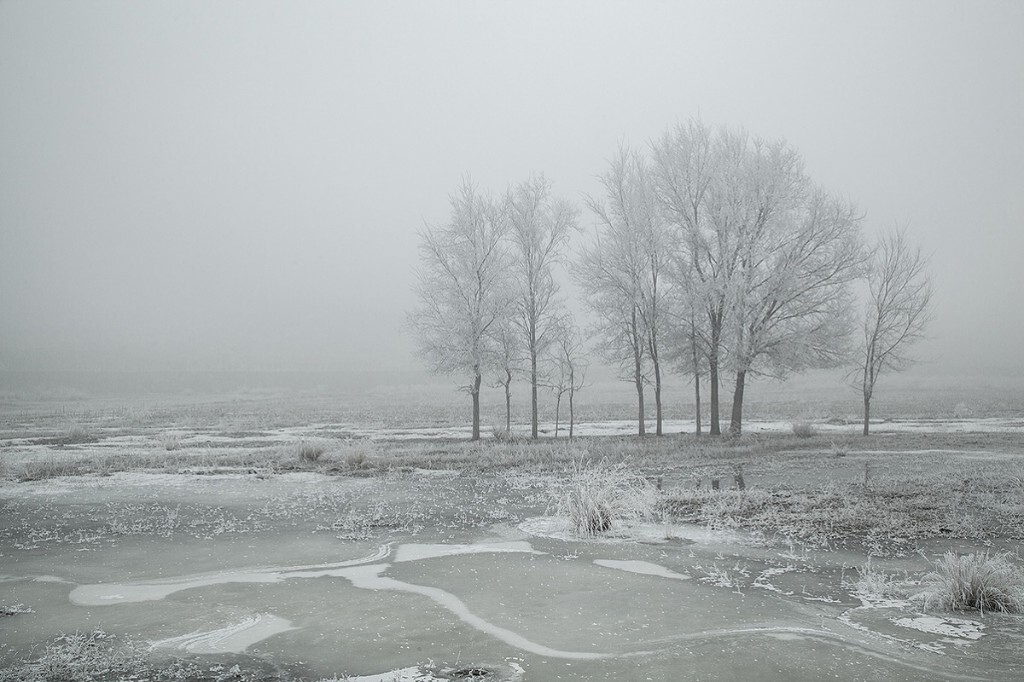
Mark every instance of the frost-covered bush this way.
pixel 803 429
pixel 598 494
pixel 975 581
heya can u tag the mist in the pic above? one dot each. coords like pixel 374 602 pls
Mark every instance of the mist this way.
pixel 196 186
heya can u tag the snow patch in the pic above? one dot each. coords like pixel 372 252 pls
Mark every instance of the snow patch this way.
pixel 946 627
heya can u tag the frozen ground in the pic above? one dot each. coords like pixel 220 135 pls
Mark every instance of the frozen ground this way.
pixel 403 553
pixel 237 567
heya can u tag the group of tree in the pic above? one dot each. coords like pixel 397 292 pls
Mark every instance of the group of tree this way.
pixel 714 254
pixel 489 297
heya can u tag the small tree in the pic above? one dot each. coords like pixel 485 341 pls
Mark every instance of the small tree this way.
pixel 462 280
pixel 539 227
pixel 570 371
pixel 507 362
pixel 897 312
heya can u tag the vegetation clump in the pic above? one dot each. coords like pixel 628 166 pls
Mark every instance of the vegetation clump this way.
pixel 310 453
pixel 975 581
pixel 598 494
pixel 803 429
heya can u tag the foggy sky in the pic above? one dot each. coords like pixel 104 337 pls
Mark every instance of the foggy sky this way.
pixel 239 185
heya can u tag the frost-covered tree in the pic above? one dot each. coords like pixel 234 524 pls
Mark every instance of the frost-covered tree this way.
pixel 607 273
pixel 462 280
pixel 539 227
pixel 636 259
pixel 897 311
pixel 797 251
pixel 686 162
pixel 569 373
pixel 507 361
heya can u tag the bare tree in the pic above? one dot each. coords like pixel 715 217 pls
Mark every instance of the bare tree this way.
pixel 462 277
pixel 539 229
pixel 606 271
pixel 687 330
pixel 769 257
pixel 637 262
pixel 570 373
pixel 897 313
pixel 622 275
pixel 793 296
pixel 507 362
pixel 686 168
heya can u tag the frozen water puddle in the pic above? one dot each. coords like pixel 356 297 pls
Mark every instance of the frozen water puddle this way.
pixel 363 573
pixel 370 572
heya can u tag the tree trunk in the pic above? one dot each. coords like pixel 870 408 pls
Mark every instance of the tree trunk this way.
pixel 736 425
pixel 867 412
pixel 533 388
pixel 476 407
pixel 716 429
pixel 696 397
pixel 508 400
pixel 558 409
pixel 572 409
pixel 657 395
pixel 641 426
pixel 716 332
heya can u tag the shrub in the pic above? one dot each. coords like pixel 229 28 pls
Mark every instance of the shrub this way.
pixel 310 452
pixel 597 495
pixel 171 441
pixel 803 429
pixel 975 581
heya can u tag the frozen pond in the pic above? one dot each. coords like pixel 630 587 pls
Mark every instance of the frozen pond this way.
pixel 515 600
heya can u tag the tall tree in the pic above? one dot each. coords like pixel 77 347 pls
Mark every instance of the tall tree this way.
pixel 607 272
pixel 686 164
pixel 897 311
pixel 799 257
pixel 539 227
pixel 461 281
pixel 637 237
pixel 624 273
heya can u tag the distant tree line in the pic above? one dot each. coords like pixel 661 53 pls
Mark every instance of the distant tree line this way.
pixel 713 255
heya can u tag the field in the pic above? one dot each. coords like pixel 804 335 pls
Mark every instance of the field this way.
pixel 285 536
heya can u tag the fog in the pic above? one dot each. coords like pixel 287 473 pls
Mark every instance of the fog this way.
pixel 235 186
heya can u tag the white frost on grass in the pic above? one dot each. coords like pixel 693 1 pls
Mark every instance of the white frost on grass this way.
pixel 418 552
pixel 413 674
pixel 641 567
pixel 561 528
pixel 233 639
pixel 946 627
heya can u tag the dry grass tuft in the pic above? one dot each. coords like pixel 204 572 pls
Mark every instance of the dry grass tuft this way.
pixel 598 494
pixel 310 453
pixel 975 581
pixel 803 429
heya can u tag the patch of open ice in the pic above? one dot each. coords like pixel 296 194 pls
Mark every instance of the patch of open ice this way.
pixel 641 567
pixel 417 552
pixel 370 578
pixel 234 638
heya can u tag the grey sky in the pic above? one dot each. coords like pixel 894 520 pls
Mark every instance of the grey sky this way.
pixel 234 185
